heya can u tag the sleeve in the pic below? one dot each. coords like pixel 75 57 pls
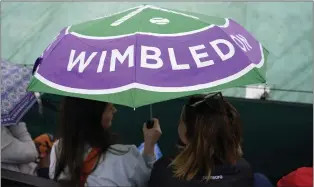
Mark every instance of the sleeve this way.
pixel 53 158
pixel 140 167
pixel 19 147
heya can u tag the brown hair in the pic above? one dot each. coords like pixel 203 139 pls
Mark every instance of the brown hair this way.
pixel 80 125
pixel 214 134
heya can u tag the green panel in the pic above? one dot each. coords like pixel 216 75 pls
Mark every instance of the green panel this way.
pixel 101 27
pixel 285 29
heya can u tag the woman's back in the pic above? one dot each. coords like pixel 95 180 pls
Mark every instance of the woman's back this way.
pixel 211 154
pixel 238 175
pixel 121 165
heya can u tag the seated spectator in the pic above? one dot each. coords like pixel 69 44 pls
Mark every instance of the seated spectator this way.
pixel 211 154
pixel 86 154
pixel 18 151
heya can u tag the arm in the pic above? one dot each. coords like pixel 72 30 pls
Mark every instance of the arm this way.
pixel 18 146
pixel 149 156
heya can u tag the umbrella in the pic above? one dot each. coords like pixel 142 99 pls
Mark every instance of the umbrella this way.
pixel 15 100
pixel 149 54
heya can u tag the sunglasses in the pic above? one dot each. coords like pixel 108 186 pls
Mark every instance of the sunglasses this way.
pixel 208 101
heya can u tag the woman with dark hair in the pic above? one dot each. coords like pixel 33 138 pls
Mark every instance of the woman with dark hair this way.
pixel 211 154
pixel 86 153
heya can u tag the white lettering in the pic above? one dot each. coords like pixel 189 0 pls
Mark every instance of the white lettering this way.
pixel 223 57
pixel 215 177
pixel 174 64
pixel 156 56
pixel 241 42
pixel 81 59
pixel 197 57
pixel 101 61
pixel 116 55
pixel 245 42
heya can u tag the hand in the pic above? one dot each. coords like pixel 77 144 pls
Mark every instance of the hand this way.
pixel 151 136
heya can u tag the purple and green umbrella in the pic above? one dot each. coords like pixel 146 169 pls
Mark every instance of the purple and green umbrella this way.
pixel 149 54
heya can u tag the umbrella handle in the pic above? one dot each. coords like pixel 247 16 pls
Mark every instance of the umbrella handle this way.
pixel 149 124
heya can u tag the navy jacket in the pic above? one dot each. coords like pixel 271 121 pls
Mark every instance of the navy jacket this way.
pixel 238 175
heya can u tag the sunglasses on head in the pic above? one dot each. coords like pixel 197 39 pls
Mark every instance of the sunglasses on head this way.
pixel 208 100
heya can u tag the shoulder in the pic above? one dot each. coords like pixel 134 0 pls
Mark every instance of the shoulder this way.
pixel 162 167
pixel 123 152
pixel 163 162
pixel 242 164
pixel 245 172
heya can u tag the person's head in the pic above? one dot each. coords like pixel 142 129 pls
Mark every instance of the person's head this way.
pixel 210 128
pixel 83 122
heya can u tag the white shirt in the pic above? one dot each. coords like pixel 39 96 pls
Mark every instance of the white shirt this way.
pixel 114 169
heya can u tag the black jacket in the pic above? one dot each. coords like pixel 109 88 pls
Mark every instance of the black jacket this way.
pixel 239 175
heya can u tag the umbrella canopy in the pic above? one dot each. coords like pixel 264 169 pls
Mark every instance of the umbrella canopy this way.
pixel 149 54
pixel 15 100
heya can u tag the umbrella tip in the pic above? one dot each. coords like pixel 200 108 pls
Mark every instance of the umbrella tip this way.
pixel 39 101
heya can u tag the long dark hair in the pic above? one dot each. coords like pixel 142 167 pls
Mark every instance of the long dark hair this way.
pixel 214 134
pixel 80 125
